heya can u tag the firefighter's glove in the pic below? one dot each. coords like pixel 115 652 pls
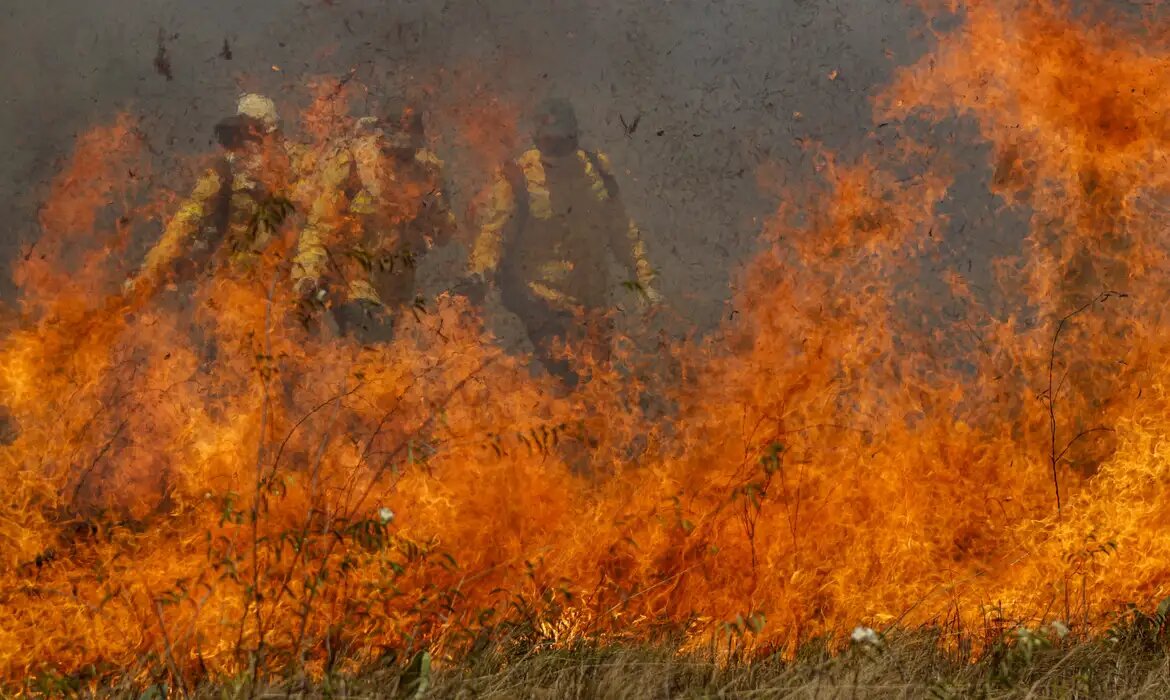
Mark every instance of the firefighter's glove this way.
pixel 311 298
pixel 651 297
pixel 310 292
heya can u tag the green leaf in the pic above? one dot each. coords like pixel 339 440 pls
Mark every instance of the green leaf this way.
pixel 756 622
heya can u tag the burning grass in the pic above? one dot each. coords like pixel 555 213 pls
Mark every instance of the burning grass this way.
pixel 201 489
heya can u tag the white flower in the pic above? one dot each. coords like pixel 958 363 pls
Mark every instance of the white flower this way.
pixel 865 635
pixel 1059 629
pixel 385 515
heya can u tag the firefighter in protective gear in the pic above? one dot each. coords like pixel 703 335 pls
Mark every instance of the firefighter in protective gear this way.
pixel 229 217
pixel 556 214
pixel 380 208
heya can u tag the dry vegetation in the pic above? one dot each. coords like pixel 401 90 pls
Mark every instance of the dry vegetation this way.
pixel 1130 661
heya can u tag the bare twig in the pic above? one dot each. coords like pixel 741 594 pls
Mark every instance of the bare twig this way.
pixel 1055 455
pixel 301 421
pixel 403 445
pixel 84 476
pixel 175 670
pixel 255 514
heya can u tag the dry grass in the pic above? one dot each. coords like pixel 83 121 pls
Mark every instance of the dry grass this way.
pixel 1130 663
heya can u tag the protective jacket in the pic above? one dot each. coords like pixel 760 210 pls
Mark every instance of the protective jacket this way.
pixel 551 222
pixel 373 217
pixel 220 223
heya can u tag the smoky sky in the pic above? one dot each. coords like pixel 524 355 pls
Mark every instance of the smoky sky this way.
pixel 718 89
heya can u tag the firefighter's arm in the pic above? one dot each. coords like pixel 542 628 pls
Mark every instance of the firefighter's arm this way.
pixel 643 273
pixel 442 216
pixel 311 258
pixel 443 224
pixel 179 231
pixel 488 245
pixel 628 243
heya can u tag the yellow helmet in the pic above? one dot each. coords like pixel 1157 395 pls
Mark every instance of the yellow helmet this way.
pixel 260 108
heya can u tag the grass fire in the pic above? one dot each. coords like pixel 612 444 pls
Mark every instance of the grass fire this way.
pixel 243 449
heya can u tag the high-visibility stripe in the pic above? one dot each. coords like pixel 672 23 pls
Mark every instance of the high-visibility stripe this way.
pixel 642 267
pixel 596 183
pixel 184 225
pixel 547 293
pixel 362 290
pixel 485 252
pixel 539 198
pixel 363 203
pixel 555 270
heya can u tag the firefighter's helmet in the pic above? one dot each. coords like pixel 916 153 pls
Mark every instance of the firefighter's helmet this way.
pixel 260 108
pixel 367 126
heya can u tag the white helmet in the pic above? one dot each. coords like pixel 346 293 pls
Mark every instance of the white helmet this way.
pixel 261 108
pixel 367 126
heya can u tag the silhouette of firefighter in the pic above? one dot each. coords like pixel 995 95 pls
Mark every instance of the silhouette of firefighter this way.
pixel 231 214
pixel 555 217
pixel 229 218
pixel 380 208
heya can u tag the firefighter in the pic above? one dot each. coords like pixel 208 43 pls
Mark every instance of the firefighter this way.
pixel 233 209
pixel 555 215
pixel 380 208
pixel 225 224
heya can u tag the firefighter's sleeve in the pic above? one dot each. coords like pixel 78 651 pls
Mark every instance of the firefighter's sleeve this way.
pixel 441 217
pixel 441 220
pixel 311 258
pixel 182 227
pixel 627 242
pixel 297 162
pixel 637 261
pixel 488 245
pixel 444 217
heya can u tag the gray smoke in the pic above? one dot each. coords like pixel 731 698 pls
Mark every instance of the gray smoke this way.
pixel 716 88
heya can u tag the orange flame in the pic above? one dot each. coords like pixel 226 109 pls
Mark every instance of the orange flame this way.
pixel 823 463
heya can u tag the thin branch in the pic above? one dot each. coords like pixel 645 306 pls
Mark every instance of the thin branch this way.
pixel 175 670
pixel 1055 455
pixel 93 464
pixel 1083 433
pixel 264 407
pixel 303 419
